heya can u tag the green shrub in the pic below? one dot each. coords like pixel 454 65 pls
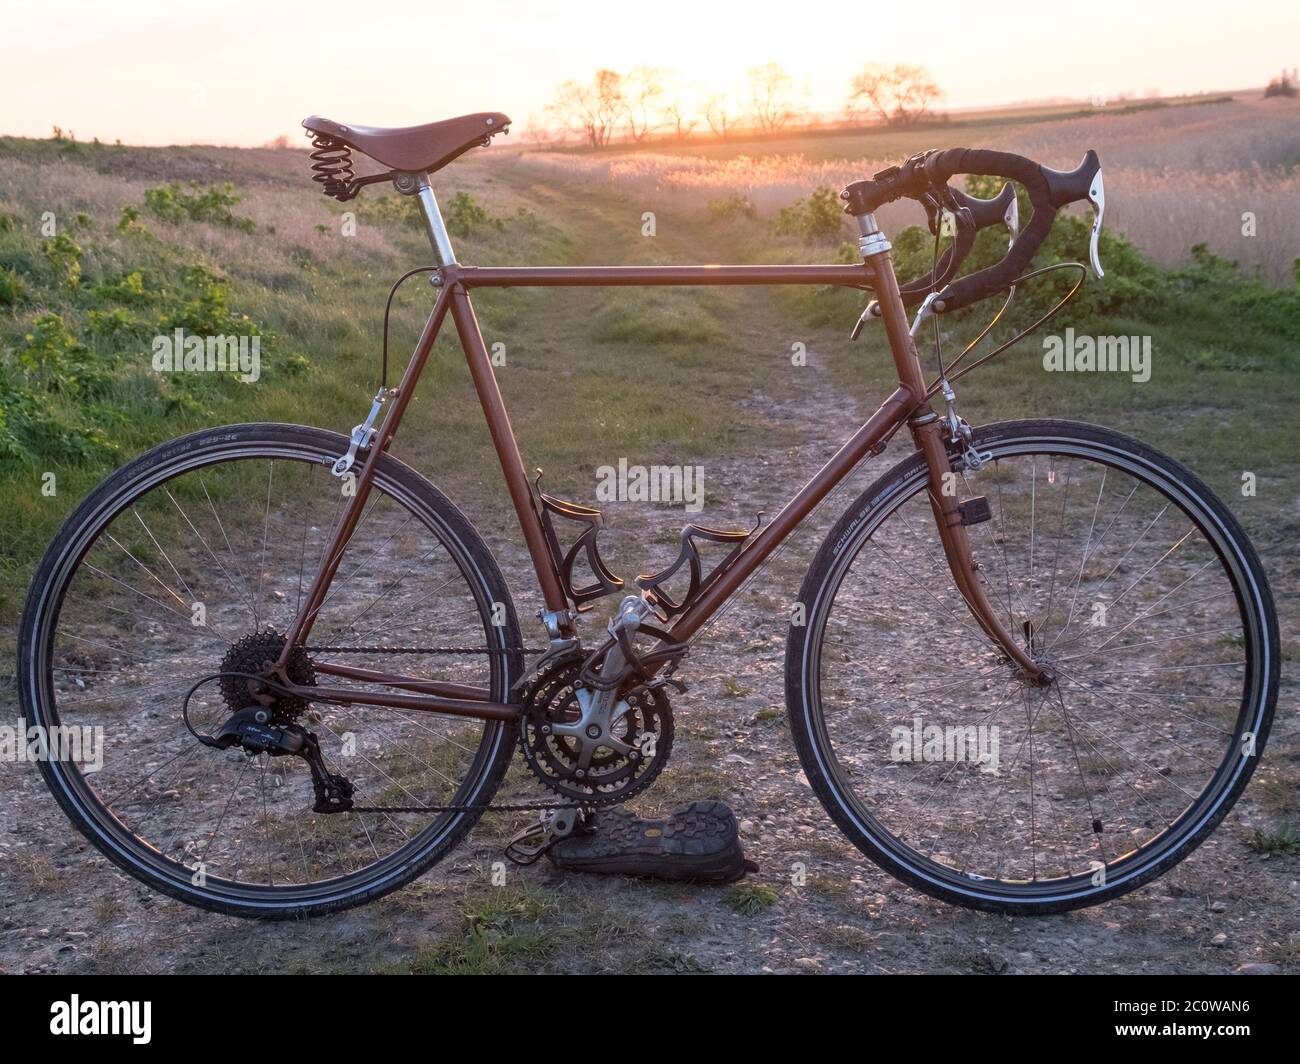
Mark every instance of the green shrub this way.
pixel 819 217
pixel 64 255
pixel 205 307
pixel 11 288
pixel 58 361
pixel 1207 287
pixel 731 207
pixel 129 288
pixel 403 210
pixel 130 221
pixel 464 215
pixel 111 324
pixel 171 203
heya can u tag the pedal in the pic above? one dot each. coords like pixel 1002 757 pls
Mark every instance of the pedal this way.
pixel 529 845
pixel 975 511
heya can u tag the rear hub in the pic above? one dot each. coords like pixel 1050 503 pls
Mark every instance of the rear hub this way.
pixel 255 655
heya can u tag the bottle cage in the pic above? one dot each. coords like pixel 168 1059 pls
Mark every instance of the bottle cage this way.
pixel 605 582
pixel 653 584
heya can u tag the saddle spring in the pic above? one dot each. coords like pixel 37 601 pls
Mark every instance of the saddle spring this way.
pixel 332 166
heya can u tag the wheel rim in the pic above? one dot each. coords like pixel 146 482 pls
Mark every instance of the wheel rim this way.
pixel 259 801
pixel 1083 704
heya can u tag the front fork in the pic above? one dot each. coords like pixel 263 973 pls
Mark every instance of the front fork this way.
pixel 927 429
pixel 929 439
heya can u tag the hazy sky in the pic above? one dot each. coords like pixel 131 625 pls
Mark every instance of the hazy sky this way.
pixel 245 71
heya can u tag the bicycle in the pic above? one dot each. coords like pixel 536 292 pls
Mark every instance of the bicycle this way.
pixel 1008 701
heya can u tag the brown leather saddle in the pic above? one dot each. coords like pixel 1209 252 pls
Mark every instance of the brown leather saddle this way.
pixel 415 149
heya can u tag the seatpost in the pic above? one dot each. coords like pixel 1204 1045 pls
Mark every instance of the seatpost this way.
pixel 439 238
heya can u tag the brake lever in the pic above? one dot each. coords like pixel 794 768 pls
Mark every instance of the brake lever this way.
pixel 1011 219
pixel 1097 201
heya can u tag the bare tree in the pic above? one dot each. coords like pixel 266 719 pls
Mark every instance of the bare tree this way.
pixel 643 91
pixel 772 93
pixel 721 114
pixel 537 133
pixel 680 117
pixel 594 109
pixel 1282 85
pixel 900 95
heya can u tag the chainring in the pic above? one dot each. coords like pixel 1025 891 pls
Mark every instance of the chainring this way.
pixel 646 725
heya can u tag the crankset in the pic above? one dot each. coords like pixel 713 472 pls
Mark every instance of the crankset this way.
pixel 596 747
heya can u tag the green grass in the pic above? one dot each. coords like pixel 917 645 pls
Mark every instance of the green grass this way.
pixel 502 934
pixel 1282 840
pixel 1225 355
pixel 589 375
pixel 517 930
pixel 749 899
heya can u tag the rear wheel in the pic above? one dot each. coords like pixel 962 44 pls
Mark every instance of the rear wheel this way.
pixel 1128 581
pixel 193 560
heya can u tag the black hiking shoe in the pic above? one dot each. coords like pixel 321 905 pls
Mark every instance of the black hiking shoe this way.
pixel 698 843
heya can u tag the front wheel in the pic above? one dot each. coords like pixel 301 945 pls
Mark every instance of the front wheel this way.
pixel 193 560
pixel 1132 585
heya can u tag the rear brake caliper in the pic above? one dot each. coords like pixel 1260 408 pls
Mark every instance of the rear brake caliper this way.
pixel 362 436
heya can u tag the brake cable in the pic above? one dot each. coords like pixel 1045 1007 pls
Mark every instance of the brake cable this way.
pixel 936 386
pixel 388 306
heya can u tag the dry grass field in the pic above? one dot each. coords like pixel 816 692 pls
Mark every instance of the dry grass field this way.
pixel 1177 175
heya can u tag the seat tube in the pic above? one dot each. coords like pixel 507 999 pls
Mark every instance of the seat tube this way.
pixel 507 448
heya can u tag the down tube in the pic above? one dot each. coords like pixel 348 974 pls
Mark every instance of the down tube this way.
pixel 885 420
pixel 507 447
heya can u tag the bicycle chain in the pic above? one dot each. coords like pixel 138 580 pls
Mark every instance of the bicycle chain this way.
pixel 424 650
pixel 485 807
pixel 516 807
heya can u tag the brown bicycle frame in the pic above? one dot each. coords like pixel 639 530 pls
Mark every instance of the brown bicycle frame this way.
pixel 907 405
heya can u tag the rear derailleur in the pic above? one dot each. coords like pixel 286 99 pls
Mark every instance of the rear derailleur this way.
pixel 252 730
